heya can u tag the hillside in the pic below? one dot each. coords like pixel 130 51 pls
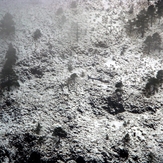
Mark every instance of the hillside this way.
pixel 69 107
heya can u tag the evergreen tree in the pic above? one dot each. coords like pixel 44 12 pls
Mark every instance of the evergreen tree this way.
pixel 151 87
pixel 159 8
pixel 7 24
pixel 156 41
pixel 152 43
pixel 151 11
pixel 8 76
pixel 159 76
pixel 11 55
pixel 142 22
pixel 37 34
pixel 148 43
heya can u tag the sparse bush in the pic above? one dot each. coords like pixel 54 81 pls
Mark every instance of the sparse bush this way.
pixel 37 34
pixel 7 24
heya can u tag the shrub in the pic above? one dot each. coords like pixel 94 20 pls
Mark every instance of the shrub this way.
pixel 73 76
pixel 151 87
pixel 36 72
pixel 123 153
pixel 119 84
pixel 58 131
pixel 37 34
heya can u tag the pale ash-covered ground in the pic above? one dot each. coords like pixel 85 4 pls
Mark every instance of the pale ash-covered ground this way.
pixel 91 131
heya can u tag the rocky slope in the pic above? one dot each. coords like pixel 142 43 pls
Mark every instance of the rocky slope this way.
pixel 69 107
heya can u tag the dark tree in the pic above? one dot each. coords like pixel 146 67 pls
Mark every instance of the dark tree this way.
pixel 35 157
pixel 159 8
pixel 60 133
pixel 159 76
pixel 38 129
pixel 148 44
pixel 8 76
pixel 151 87
pixel 131 10
pixel 142 22
pixel 37 34
pixel 126 139
pixel 11 55
pixel 119 84
pixel 151 11
pixel 7 24
pixel 156 41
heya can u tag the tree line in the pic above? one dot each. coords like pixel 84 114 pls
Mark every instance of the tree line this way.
pixel 8 76
pixel 145 19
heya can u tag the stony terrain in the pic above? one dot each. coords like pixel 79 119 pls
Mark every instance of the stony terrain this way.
pixel 67 108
